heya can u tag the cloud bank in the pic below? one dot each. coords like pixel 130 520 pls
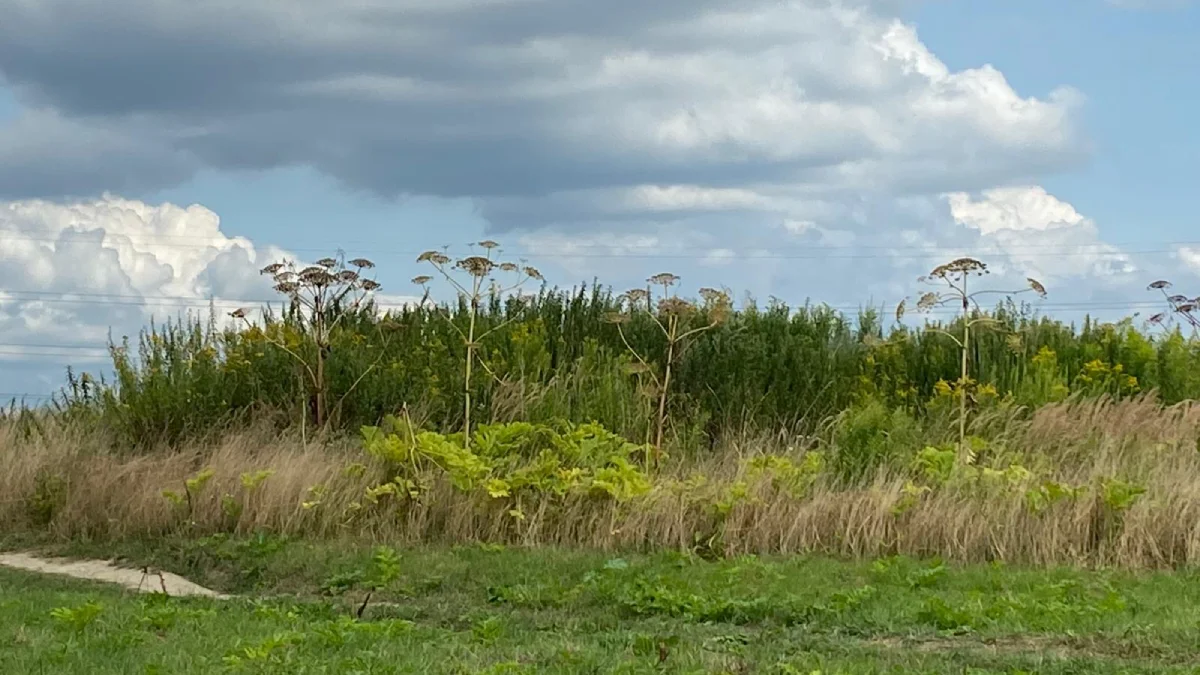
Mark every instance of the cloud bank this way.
pixel 512 100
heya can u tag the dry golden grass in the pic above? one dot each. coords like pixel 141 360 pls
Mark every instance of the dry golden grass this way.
pixel 66 482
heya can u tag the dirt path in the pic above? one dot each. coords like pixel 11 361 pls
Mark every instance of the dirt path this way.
pixel 153 581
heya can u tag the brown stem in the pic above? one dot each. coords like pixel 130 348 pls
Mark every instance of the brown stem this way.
pixel 320 418
pixel 469 366
pixel 962 382
pixel 662 396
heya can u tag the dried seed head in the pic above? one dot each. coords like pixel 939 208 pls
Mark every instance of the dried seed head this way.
pixel 1178 299
pixel 675 306
pixel 713 296
pixel 664 279
pixel 316 276
pixel 327 263
pixel 637 295
pixel 1186 308
pixel 533 273
pixel 1037 287
pixel 719 312
pixel 959 266
pixel 362 263
pixel 238 313
pixel 370 285
pixel 1158 318
pixel 900 308
pixel 287 287
pixel 273 268
pixel 488 244
pixel 422 280
pixel 928 301
pixel 508 267
pixel 476 266
pixel 435 257
pixel 285 275
pixel 347 276
pixel 1160 284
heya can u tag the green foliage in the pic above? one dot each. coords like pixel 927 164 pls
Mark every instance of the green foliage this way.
pixel 1048 606
pixel 552 356
pixel 561 611
pixel 870 436
pixel 251 481
pixel 787 476
pixel 385 567
pixel 1044 381
pixel 515 464
pixel 192 489
pixel 1043 497
pixel 77 618
pixel 161 614
pixel 488 630
pixel 196 483
pixel 935 464
pixel 1119 495
pixel 49 495
pixel 267 652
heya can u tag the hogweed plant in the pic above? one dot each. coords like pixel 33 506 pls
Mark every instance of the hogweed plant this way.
pixel 953 280
pixel 479 283
pixel 322 295
pixel 672 317
pixel 1179 307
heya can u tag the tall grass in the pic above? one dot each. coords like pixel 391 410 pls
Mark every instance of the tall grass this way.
pixel 62 477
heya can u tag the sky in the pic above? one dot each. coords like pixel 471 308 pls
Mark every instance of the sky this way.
pixel 154 155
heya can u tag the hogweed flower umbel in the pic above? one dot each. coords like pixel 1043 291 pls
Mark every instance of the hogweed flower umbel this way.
pixel 322 294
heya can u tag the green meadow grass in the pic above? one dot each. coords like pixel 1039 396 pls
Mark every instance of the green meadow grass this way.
pixel 495 610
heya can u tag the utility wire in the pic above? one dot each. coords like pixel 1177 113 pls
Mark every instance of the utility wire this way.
pixel 226 238
pixel 605 251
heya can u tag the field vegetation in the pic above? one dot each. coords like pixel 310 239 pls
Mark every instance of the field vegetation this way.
pixel 546 480
pixel 488 609
pixel 639 421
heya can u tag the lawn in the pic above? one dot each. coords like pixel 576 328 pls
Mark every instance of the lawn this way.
pixel 489 609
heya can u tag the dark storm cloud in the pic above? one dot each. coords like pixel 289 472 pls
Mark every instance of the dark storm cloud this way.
pixel 499 98
pixel 44 155
pixel 131 56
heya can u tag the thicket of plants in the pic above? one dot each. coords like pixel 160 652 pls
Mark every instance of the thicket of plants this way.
pixel 582 416
pixel 583 355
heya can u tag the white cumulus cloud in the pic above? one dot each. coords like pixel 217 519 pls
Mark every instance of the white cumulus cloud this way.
pixel 77 271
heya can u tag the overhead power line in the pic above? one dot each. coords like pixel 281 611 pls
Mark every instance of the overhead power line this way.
pixel 636 250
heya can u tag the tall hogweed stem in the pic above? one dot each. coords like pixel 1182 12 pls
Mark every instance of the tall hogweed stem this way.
pixel 953 278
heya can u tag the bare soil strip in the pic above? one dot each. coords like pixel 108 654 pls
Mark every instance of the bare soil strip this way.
pixel 144 580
